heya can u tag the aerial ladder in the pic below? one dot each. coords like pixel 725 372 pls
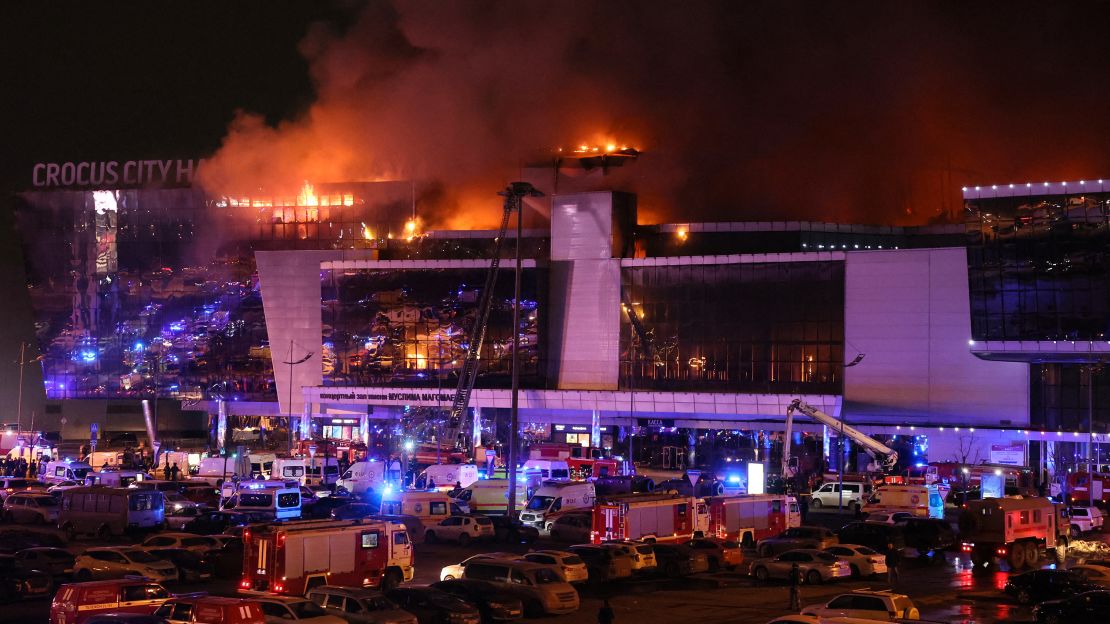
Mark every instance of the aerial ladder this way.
pixel 468 374
pixel 884 456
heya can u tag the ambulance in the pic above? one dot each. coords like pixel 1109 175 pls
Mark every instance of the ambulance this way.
pixel 920 500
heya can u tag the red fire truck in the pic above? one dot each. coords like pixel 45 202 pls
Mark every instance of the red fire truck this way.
pixel 292 557
pixel 747 518
pixel 584 462
pixel 1018 529
pixel 655 517
pixel 1088 487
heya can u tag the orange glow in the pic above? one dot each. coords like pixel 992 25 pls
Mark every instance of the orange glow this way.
pixel 366 232
pixel 682 233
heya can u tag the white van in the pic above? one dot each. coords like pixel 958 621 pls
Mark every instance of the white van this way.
pixel 289 468
pixel 116 478
pixel 321 470
pixel 549 468
pixel 430 507
pixel 66 470
pixel 261 464
pixel 920 500
pixel 281 502
pixel 828 495
pixel 216 470
pixel 371 476
pixel 557 496
pixel 447 475
pixel 490 496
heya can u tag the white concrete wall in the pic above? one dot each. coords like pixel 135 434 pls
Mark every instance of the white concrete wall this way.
pixel 908 311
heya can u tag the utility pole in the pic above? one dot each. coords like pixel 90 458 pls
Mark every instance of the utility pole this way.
pixel 289 417
pixel 514 196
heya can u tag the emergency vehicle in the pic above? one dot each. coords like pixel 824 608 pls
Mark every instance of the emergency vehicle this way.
pixel 583 462
pixel 490 496
pixel 430 507
pixel 920 500
pixel 1088 487
pixel 748 518
pixel 556 496
pixel 76 602
pixel 1017 529
pixel 279 499
pixel 653 517
pixel 370 476
pixel 291 558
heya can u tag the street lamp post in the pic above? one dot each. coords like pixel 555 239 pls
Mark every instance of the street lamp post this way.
pixel 289 418
pixel 23 362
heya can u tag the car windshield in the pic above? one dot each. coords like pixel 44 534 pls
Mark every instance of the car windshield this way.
pixel 47 501
pixel 377 603
pixel 540 502
pixel 572 560
pixel 826 557
pixel 545 576
pixel 644 550
pixel 55 554
pixel 306 609
pixel 141 556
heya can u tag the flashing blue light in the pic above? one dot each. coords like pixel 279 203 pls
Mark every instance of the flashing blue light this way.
pixel 388 489
pixel 138 346
pixel 177 327
pixel 734 478
pixel 919 465
pixel 234 455
pixel 88 356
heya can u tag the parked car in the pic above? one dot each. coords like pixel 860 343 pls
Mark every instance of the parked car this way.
pixel 1085 520
pixel 506 529
pixel 54 561
pixel 191 565
pixel 1086 608
pixel 322 507
pixel 176 500
pixel 540 588
pixel 816 566
pixel 493 603
pixel 887 517
pixel 196 543
pixel 569 564
pixel 572 527
pixel 862 560
pixel 866 605
pixel 11 485
pixel 227 562
pixel 125 618
pixel 678 560
pixel 461 529
pixel 722 554
pixel 798 537
pixel 874 535
pixel 359 605
pixel 210 610
pixel 14 540
pixel 1099 575
pixel 119 561
pixel 929 537
pixel 211 522
pixel 604 564
pixel 643 555
pixel 282 609
pixel 455 571
pixel 31 507
pixel 1040 585
pixel 351 511
pixel 178 519
pixel 18 582
pixel 433 606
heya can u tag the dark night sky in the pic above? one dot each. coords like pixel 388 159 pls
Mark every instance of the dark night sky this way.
pixel 842 111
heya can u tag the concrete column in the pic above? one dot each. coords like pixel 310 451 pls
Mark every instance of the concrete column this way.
pixel 595 428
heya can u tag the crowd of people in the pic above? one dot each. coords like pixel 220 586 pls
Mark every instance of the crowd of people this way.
pixel 21 467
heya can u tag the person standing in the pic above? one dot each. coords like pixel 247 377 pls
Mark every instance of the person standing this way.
pixel 175 472
pixel 893 559
pixel 795 581
pixel 605 614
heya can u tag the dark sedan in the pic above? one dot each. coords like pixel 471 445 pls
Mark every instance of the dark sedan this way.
pixel 506 529
pixel 432 606
pixel 494 603
pixel 678 560
pixel 215 522
pixel 323 507
pixel 353 511
pixel 874 535
pixel 53 561
pixel 1086 608
pixel 19 583
pixel 191 565
pixel 1040 585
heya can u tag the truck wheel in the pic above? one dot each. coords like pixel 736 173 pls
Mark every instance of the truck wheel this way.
pixel 1017 557
pixel 1033 554
pixel 1060 553
pixel 464 539
pixel 1074 532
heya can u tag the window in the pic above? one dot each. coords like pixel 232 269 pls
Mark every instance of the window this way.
pixel 486 572
pixel 437 508
pixel 256 499
pixel 1024 517
pixel 353 606
pixel 273 609
pixel 182 612
pixel 144 592
pixel 452 521
pixel 541 558
pixel 334 601
pixel 516 577
pixel 776 506
pixel 869 603
pixel 370 539
pixel 400 538
pixel 289 499
pixel 841 602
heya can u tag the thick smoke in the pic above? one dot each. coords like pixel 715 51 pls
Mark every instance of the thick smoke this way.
pixel 825 111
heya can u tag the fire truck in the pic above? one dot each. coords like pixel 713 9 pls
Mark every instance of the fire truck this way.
pixel 1086 488
pixel 1019 530
pixel 291 558
pixel 748 518
pixel 652 517
pixel 584 462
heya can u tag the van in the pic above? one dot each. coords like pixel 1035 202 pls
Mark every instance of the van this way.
pixel 549 468
pixel 210 610
pixel 557 496
pixel 540 587
pixel 261 464
pixel 105 511
pixel 447 475
pixel 289 468
pixel 76 602
pixel 490 496
pixel 372 476
pixel 66 470
pixel 829 495
pixel 923 501
pixel 216 470
pixel 118 478
pixel 430 507
pixel 321 470
pixel 280 502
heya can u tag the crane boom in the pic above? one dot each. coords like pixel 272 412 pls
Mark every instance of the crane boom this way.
pixel 880 451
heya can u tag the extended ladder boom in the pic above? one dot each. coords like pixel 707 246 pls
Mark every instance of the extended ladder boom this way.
pixel 876 449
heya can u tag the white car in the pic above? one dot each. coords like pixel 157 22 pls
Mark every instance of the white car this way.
pixel 455 571
pixel 196 543
pixel 1085 520
pixel 1100 575
pixel 279 610
pixel 888 517
pixel 31 507
pixel 118 562
pixel 461 529
pixel 869 605
pixel 64 485
pixel 643 555
pixel 176 519
pixel 568 564
pixel 863 560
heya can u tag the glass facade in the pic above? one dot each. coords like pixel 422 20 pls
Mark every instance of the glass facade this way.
pixel 774 328
pixel 1061 397
pixel 1039 267
pixel 148 292
pixel 412 327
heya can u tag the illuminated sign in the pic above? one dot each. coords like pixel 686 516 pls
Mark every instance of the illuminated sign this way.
pixel 656 422
pixel 755 478
pixel 115 173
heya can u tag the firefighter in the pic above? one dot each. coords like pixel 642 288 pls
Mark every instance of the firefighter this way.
pixel 795 580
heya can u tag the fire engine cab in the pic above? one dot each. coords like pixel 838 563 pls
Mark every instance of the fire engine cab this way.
pixel 653 517
pixel 748 518
pixel 1088 487
pixel 1017 529
pixel 293 557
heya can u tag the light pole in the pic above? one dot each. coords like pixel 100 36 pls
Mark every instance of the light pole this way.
pixel 289 418
pixel 23 362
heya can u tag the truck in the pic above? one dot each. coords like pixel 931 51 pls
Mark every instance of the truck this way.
pixel 925 501
pixel 370 476
pixel 489 496
pixel 650 517
pixel 1088 488
pixel 280 500
pixel 447 475
pixel 290 558
pixel 557 496
pixel 1019 530
pixel 884 457
pixel 584 462
pixel 748 518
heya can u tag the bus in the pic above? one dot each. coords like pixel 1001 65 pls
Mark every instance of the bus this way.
pixel 103 511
